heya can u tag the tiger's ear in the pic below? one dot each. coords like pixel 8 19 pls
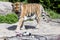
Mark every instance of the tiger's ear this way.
pixel 12 7
pixel 12 4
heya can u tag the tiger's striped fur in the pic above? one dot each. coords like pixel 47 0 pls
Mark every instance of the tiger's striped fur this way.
pixel 27 9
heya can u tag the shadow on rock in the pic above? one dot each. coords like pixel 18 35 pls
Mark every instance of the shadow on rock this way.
pixel 12 27
pixel 26 27
pixel 29 27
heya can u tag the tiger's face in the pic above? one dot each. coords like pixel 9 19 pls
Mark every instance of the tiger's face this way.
pixel 16 7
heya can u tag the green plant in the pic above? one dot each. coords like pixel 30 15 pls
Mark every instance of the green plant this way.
pixel 9 18
pixel 2 19
pixel 53 15
pixel 52 4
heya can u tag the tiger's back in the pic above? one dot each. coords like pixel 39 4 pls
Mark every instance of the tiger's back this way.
pixel 29 9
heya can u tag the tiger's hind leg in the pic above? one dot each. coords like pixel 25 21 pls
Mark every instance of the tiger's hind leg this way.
pixel 38 17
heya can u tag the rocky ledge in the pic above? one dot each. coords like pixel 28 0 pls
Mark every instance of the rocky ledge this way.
pixel 45 31
pixel 5 8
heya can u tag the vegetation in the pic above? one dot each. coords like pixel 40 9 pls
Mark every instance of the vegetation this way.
pixel 4 0
pixel 51 4
pixel 53 15
pixel 9 18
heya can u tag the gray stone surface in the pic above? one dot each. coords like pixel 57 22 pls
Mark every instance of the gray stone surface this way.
pixel 5 7
pixel 36 37
pixel 46 31
pixel 56 20
pixel 44 27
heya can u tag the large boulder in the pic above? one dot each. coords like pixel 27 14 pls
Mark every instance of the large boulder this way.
pixel 5 7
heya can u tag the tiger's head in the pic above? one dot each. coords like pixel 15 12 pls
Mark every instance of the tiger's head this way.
pixel 16 7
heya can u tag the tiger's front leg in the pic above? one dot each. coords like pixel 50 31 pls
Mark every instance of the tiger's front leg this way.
pixel 20 22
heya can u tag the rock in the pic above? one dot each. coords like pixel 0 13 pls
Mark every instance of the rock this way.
pixel 13 38
pixel 1 39
pixel 26 34
pixel 56 20
pixel 35 37
pixel 30 24
pixel 5 8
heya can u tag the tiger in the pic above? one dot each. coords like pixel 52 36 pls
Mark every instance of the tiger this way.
pixel 27 9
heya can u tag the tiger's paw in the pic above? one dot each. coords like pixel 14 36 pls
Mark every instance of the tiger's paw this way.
pixel 37 25
pixel 17 31
pixel 22 28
